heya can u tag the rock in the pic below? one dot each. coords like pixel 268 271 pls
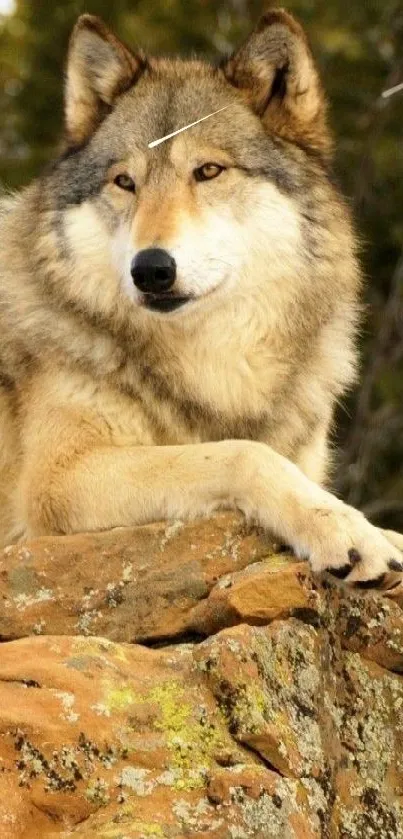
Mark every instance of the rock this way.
pixel 128 741
pixel 369 725
pixel 374 628
pixel 129 585
pixel 265 706
pixel 275 588
pixel 270 702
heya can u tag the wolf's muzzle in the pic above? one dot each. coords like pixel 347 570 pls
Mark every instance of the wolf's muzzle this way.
pixel 153 271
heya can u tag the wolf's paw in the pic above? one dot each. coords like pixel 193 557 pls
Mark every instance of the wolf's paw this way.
pixel 345 545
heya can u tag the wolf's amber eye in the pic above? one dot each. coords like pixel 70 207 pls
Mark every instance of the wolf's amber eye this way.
pixel 125 182
pixel 208 171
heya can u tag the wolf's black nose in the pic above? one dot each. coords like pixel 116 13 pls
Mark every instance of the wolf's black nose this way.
pixel 153 270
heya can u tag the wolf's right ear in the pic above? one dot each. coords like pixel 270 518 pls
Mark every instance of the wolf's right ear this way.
pixel 99 68
pixel 276 72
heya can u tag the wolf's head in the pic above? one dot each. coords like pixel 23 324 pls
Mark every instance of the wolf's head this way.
pixel 216 208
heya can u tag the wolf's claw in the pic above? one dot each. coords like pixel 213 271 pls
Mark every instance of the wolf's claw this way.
pixel 346 546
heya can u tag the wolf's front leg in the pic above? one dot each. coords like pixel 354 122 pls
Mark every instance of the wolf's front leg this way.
pixel 107 486
pixel 395 538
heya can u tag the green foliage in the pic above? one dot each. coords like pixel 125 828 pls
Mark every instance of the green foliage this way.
pixel 359 48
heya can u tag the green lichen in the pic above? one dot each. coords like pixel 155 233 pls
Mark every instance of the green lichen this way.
pixel 119 697
pixel 149 829
pixel 97 792
pixel 278 562
pixel 284 697
pixel 257 699
pixel 243 706
pixel 98 647
pixel 174 712
pixel 115 828
pixel 191 742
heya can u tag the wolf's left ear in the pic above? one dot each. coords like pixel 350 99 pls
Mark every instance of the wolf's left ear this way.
pixel 276 71
pixel 99 68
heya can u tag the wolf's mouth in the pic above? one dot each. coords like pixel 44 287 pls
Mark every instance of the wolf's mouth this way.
pixel 164 303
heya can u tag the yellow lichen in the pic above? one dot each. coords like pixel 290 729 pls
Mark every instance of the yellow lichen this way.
pixel 174 712
pixel 191 742
pixel 95 646
pixel 277 562
pixel 257 699
pixel 119 697
pixel 150 829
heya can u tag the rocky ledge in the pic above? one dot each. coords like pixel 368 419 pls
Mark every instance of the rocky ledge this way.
pixel 185 680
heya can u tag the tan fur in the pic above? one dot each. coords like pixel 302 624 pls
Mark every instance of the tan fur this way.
pixel 87 94
pixel 114 415
pixel 302 112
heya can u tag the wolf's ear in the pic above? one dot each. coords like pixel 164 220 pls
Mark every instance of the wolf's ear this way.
pixel 276 71
pixel 99 68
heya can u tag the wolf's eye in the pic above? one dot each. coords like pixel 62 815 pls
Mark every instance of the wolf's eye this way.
pixel 125 182
pixel 208 171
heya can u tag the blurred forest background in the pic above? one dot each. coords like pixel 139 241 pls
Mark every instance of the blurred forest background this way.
pixel 359 46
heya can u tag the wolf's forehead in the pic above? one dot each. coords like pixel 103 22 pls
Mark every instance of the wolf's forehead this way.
pixel 166 102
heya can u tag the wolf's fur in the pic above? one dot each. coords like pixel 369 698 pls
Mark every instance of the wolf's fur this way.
pixel 112 414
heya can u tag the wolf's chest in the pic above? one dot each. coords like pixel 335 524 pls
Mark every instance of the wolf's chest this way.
pixel 210 396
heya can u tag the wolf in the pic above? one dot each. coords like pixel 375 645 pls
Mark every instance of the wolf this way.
pixel 179 304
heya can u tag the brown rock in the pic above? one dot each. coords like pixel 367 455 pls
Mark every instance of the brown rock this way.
pixel 117 740
pixel 129 585
pixel 372 626
pixel 263 592
pixel 253 781
pixel 285 723
pixel 302 828
pixel 369 724
pixel 267 681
